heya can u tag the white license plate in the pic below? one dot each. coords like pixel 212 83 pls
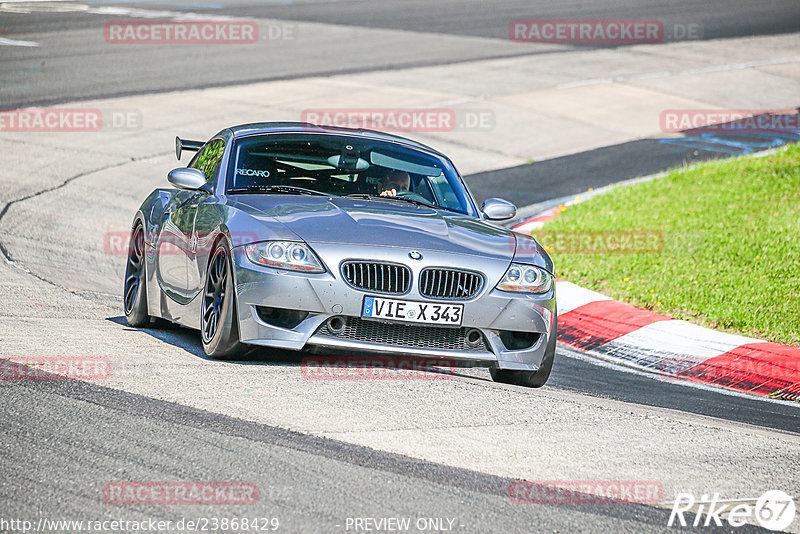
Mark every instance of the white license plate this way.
pixel 412 312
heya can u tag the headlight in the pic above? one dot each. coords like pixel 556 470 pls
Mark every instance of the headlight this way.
pixel 284 255
pixel 526 279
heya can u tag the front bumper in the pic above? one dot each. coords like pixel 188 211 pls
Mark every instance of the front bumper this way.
pixel 324 296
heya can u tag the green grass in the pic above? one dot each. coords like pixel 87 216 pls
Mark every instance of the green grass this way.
pixel 728 255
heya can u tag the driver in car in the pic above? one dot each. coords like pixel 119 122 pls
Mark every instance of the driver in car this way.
pixel 392 182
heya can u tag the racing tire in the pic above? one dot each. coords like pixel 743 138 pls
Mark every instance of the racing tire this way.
pixel 219 322
pixel 134 295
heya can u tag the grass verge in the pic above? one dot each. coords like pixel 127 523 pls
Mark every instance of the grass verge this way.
pixel 717 245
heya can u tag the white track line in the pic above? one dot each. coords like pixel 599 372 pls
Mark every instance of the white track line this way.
pixel 13 42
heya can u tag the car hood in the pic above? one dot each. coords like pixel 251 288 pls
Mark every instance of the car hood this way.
pixel 381 223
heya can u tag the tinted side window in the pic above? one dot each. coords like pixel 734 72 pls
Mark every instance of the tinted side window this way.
pixel 443 191
pixel 209 158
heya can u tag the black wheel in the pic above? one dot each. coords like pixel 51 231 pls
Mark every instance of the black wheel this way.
pixel 135 293
pixel 531 379
pixel 219 325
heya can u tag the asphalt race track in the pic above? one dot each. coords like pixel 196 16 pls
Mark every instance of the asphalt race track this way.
pixel 321 452
pixel 308 481
pixel 84 68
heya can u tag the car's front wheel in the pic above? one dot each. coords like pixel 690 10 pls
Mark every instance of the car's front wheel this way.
pixel 531 379
pixel 219 324
pixel 134 296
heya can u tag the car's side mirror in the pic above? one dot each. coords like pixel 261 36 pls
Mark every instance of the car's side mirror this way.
pixel 497 209
pixel 187 178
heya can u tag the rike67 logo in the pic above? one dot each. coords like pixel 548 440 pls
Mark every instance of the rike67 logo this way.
pixel 774 510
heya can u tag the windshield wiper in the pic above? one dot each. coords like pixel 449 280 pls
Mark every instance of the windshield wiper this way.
pixel 404 199
pixel 289 189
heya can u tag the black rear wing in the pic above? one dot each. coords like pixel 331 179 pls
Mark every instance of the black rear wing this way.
pixel 185 144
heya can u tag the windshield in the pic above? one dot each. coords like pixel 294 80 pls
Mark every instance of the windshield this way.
pixel 342 165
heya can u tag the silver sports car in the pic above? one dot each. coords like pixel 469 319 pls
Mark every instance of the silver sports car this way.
pixel 297 236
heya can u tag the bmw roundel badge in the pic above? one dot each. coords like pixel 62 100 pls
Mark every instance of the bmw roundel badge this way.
pixel 415 255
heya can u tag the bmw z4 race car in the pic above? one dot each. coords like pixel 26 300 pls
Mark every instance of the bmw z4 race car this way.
pixel 296 236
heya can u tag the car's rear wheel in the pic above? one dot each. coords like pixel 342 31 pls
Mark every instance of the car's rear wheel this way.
pixel 219 324
pixel 531 379
pixel 135 292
